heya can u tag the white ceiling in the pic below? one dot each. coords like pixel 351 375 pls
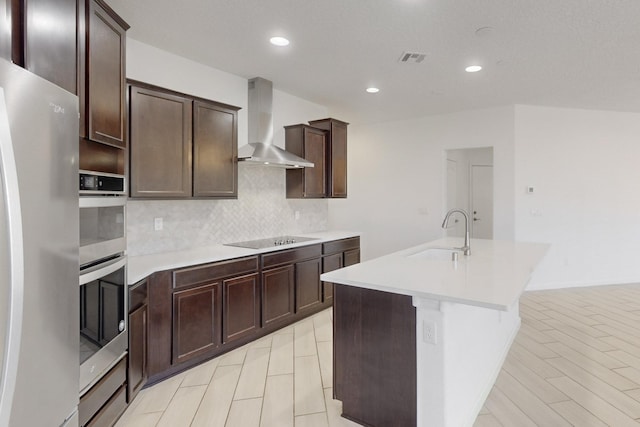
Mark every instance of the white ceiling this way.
pixel 568 53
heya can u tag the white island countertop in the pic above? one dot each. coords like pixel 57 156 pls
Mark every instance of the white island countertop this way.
pixel 142 266
pixel 493 276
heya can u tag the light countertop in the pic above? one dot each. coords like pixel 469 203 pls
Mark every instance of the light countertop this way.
pixel 142 266
pixel 493 276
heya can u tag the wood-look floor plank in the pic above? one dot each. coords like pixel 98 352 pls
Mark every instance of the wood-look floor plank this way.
pixel 529 313
pixel 601 388
pixel 592 353
pixel 522 355
pixel 594 342
pixel 626 325
pixel 535 409
pixel 505 411
pixel 576 414
pixel 487 420
pixel 577 314
pixel 534 347
pixel 599 407
pixel 534 382
pixel 534 334
pixel 592 331
pixel 536 324
pixel 596 369
pixel 625 357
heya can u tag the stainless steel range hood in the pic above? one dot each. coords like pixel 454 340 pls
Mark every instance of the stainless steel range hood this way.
pixel 260 149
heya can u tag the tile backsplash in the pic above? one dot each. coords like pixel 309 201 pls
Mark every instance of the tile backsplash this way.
pixel 261 210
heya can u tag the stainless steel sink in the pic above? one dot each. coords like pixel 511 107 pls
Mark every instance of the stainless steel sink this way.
pixel 443 254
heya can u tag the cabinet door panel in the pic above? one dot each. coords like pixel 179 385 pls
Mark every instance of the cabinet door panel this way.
pixel 215 146
pixel 307 284
pixel 277 294
pixel 338 161
pixel 160 144
pixel 50 50
pixel 314 151
pixel 196 322
pixel 106 75
pixel 330 263
pixel 241 307
pixel 137 350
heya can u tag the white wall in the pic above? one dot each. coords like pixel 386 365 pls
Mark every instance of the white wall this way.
pixel 396 176
pixel 584 166
pixel 262 209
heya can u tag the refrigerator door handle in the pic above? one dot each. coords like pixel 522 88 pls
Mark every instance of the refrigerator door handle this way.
pixel 12 254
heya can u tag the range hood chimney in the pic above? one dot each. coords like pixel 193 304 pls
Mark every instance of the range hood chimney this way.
pixel 260 149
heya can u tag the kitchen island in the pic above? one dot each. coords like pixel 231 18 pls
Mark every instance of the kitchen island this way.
pixel 419 337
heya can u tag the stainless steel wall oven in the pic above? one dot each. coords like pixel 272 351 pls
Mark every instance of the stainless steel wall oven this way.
pixel 103 284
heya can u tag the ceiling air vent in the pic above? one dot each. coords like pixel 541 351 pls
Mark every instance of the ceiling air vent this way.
pixel 412 57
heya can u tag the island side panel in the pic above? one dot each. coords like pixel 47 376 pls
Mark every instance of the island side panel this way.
pixel 375 356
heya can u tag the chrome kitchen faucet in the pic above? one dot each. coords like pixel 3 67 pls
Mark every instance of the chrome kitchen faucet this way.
pixel 466 249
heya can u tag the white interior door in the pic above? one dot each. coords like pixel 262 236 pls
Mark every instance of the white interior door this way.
pixel 456 230
pixel 481 201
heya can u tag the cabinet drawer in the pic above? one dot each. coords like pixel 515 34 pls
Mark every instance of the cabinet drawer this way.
pixel 210 272
pixel 100 393
pixel 351 257
pixel 138 295
pixel 341 245
pixel 111 411
pixel 290 256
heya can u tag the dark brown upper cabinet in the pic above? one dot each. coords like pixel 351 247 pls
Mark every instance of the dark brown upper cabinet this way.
pixel 309 143
pixel 160 140
pixel 48 50
pixel 104 83
pixel 336 163
pixel 215 150
pixel 181 146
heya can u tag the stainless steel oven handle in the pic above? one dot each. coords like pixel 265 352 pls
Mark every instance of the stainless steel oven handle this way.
pixel 102 270
pixel 102 202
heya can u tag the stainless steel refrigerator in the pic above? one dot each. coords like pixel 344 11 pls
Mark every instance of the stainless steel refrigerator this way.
pixel 39 296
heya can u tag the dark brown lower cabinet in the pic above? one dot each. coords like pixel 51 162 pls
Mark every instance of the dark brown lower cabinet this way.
pixel 330 263
pixel 137 350
pixel 375 356
pixel 241 307
pixel 201 311
pixel 138 321
pixel 308 290
pixel 196 321
pixel 277 294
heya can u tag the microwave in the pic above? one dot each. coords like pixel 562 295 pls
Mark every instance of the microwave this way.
pixel 102 228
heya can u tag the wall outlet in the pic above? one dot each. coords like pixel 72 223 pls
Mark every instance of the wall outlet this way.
pixel 296 215
pixel 157 224
pixel 429 332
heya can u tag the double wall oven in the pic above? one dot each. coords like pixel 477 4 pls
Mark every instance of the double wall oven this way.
pixel 103 285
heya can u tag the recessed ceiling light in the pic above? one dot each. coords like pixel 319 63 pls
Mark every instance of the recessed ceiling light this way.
pixel 373 90
pixel 473 68
pixel 279 41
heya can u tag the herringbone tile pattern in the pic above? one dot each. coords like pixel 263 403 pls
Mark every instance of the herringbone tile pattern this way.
pixel 575 361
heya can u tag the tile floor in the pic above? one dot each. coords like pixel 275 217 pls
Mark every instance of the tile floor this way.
pixel 575 361
pixel 281 380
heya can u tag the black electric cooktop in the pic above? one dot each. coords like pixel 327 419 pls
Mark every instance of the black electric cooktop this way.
pixel 270 242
